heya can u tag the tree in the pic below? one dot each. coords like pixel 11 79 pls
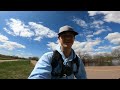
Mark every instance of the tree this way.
pixel 34 58
pixel 116 53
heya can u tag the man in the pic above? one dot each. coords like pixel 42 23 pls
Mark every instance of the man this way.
pixel 44 66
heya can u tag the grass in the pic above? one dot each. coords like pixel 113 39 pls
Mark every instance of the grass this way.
pixel 15 69
pixel 5 58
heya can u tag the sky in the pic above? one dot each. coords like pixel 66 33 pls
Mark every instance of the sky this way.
pixel 33 33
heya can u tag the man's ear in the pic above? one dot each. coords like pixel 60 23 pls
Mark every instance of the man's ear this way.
pixel 58 37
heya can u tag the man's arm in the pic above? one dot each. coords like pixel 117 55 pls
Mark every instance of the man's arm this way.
pixel 42 69
pixel 81 72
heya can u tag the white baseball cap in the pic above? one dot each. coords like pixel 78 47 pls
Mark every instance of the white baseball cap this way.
pixel 67 28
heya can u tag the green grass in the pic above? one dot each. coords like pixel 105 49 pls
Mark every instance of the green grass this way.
pixel 5 58
pixel 15 69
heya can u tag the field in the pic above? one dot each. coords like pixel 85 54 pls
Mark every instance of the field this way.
pixel 15 69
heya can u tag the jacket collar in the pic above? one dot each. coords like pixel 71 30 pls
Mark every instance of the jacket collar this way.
pixel 70 58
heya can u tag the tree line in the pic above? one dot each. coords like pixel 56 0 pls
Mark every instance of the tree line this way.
pixel 100 58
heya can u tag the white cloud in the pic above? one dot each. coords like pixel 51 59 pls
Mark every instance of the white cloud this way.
pixel 78 45
pixel 116 47
pixel 8 31
pixel 18 28
pixel 113 37
pixel 38 38
pixel 3 38
pixel 92 13
pixel 109 16
pixel 37 31
pixel 89 36
pixel 42 31
pixel 96 33
pixel 97 24
pixel 103 48
pixel 89 47
pixel 51 34
pixel 99 32
pixel 91 27
pixel 9 45
pixel 80 22
pixel 52 45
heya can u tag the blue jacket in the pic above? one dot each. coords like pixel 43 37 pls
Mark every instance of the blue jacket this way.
pixel 43 68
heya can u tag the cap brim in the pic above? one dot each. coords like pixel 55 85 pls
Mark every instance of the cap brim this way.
pixel 75 33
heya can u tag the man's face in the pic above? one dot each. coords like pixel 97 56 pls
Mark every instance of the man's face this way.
pixel 66 39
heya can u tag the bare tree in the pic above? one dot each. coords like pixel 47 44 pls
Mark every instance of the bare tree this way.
pixel 116 53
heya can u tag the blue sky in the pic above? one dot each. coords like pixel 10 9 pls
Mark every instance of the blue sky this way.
pixel 32 33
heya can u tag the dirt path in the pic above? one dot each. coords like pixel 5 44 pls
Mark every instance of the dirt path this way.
pixel 103 72
pixel 8 60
